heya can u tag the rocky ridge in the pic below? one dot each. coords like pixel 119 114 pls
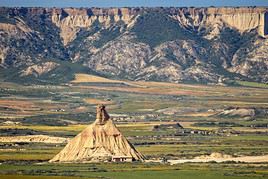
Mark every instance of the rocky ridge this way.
pixel 191 44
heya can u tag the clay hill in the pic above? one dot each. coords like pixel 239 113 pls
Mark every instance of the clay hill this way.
pixel 203 45
pixel 100 141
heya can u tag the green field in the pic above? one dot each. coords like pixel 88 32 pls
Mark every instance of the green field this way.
pixel 138 170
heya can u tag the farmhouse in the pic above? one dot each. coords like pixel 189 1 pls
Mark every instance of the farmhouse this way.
pixel 122 159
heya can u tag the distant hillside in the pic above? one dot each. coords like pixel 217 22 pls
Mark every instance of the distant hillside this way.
pixel 203 45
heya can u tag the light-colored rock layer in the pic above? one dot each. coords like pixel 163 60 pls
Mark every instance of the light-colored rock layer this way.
pixel 34 138
pixel 40 69
pixel 123 56
pixel 76 19
pixel 254 63
pixel 70 20
pixel 3 54
pixel 242 19
pixel 242 112
pixel 18 29
pixel 216 157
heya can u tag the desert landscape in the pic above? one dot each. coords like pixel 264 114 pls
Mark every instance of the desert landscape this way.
pixel 125 91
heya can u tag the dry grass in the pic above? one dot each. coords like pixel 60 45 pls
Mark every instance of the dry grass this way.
pixel 98 101
pixel 84 78
pixel 163 88
pixel 200 114
pixel 144 124
pixel 36 177
pixel 76 128
pixel 186 124
pixel 149 90
pixel 18 104
pixel 170 85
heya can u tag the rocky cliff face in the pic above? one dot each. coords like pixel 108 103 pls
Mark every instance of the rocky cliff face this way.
pixel 242 19
pixel 163 44
pixel 70 20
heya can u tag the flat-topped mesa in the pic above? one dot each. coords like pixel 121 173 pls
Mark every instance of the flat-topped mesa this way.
pixel 102 116
pixel 243 19
pixel 71 20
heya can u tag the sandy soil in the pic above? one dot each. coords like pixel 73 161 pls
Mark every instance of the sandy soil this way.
pixel 246 159
pixel 217 157
pixel 34 138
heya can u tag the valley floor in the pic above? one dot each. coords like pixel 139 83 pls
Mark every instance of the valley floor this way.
pixel 166 122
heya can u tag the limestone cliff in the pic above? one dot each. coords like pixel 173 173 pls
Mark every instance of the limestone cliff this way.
pixel 242 19
pixel 161 44
pixel 70 20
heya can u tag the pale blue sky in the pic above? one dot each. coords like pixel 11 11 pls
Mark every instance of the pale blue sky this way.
pixel 131 3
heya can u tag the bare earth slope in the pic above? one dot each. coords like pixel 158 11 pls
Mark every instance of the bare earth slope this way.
pixel 216 157
pixel 100 141
pixel 34 138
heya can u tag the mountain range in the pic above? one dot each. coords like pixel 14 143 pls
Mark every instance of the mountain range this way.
pixel 186 44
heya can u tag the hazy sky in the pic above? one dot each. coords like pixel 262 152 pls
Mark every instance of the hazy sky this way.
pixel 131 3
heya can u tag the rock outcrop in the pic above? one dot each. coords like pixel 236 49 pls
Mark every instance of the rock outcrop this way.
pixel 242 19
pixel 71 20
pixel 162 44
pixel 243 112
pixel 254 63
pixel 100 141
pixel 38 70
pixel 34 139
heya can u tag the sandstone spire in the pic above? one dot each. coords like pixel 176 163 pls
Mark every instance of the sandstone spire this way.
pixel 102 116
pixel 100 141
